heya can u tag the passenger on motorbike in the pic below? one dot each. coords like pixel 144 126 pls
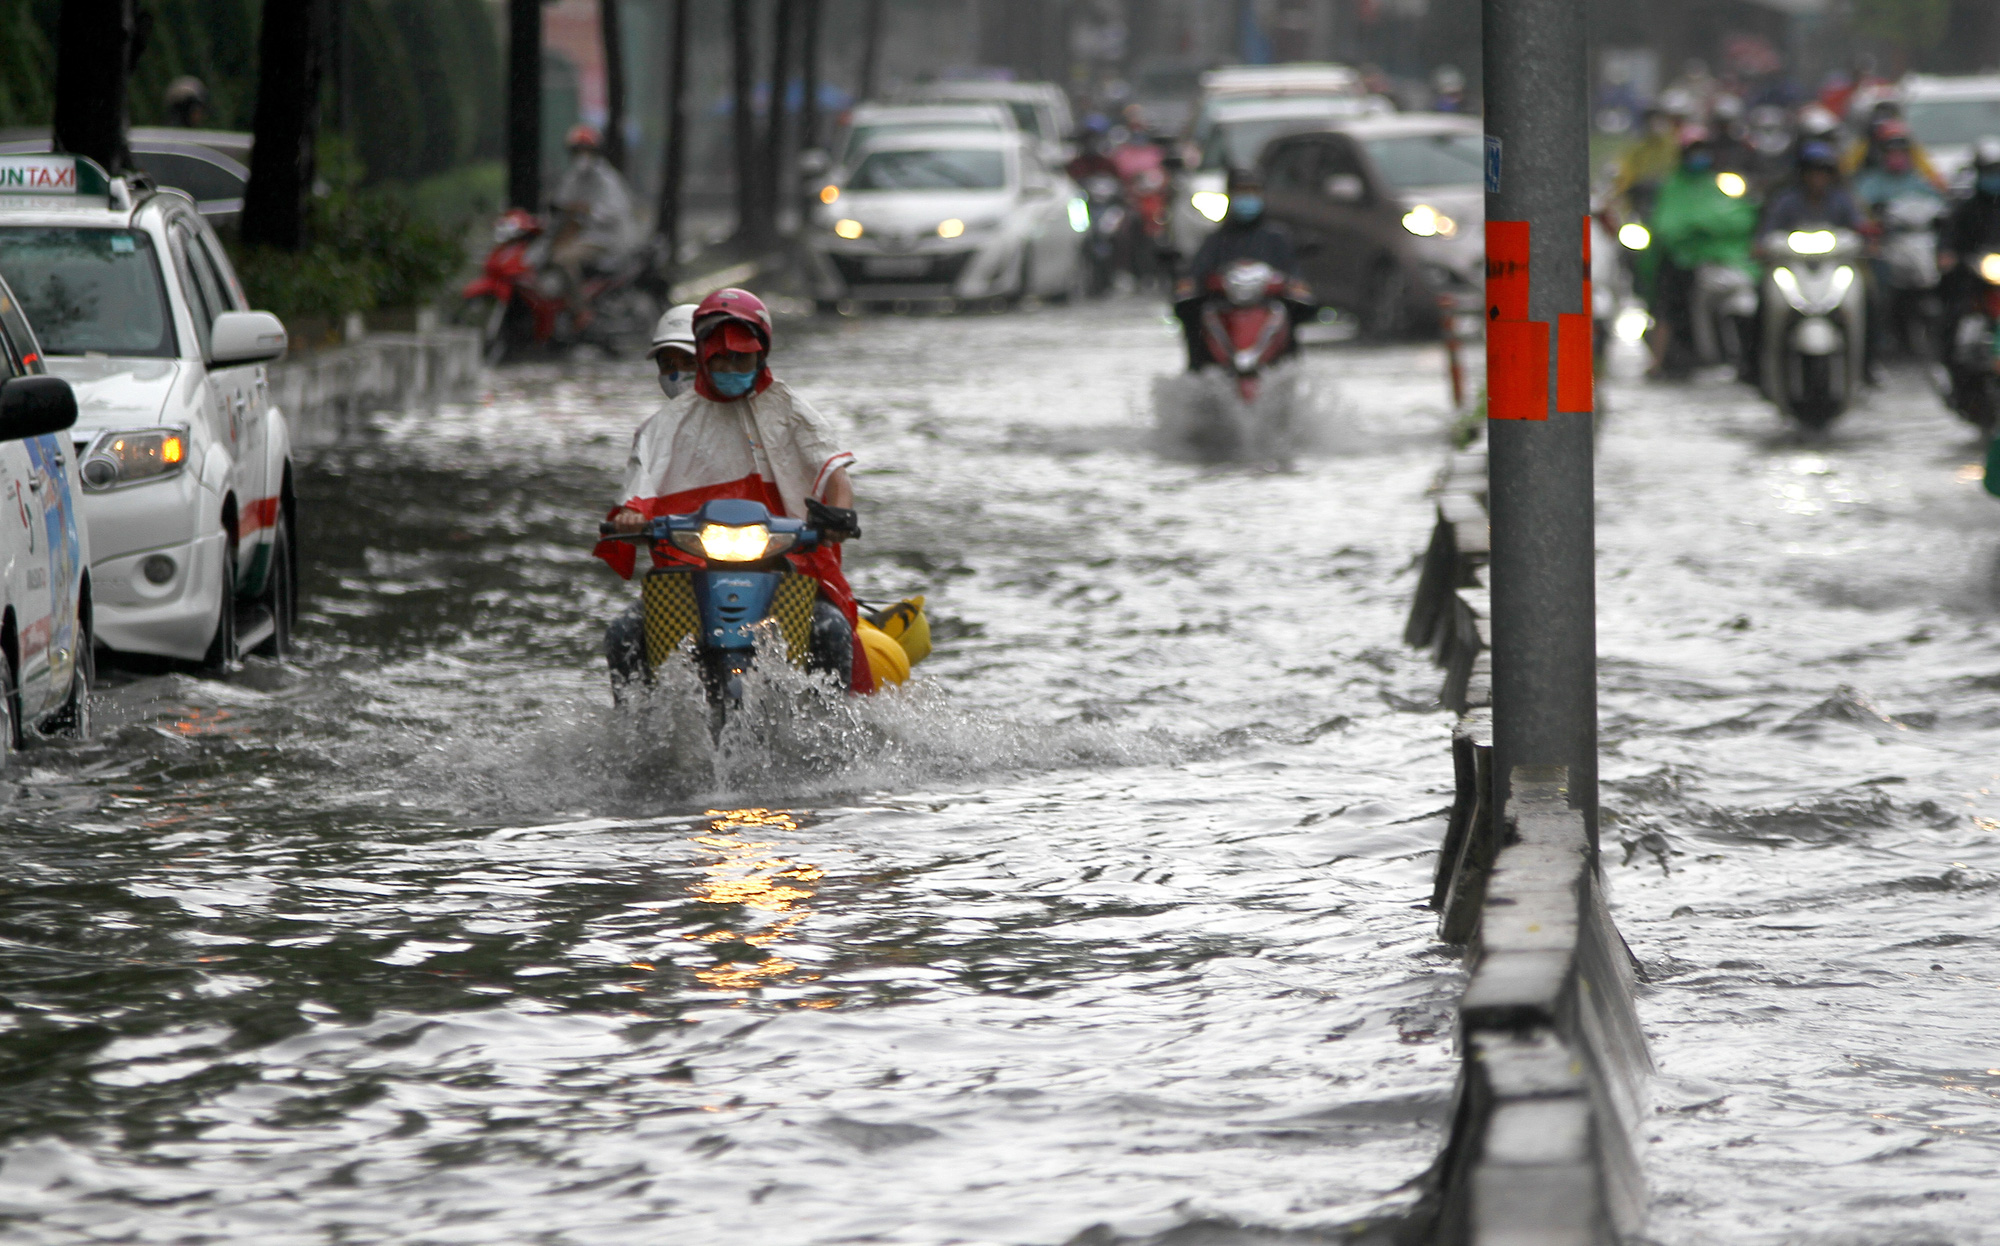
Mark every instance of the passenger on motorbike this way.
pixel 595 220
pixel 1695 222
pixel 673 349
pixel 741 433
pixel 1886 126
pixel 1892 177
pixel 1243 235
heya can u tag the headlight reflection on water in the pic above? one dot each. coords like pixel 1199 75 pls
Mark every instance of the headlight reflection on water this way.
pixel 749 878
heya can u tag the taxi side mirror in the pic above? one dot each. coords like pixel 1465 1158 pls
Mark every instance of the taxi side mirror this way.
pixel 246 337
pixel 31 406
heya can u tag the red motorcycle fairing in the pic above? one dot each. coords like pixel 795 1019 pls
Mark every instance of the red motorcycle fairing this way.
pixel 1244 322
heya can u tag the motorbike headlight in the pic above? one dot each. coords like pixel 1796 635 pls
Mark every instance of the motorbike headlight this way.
pixel 1989 267
pixel 722 543
pixel 126 458
pixel 848 228
pixel 1811 241
pixel 1426 221
pixel 1732 184
pixel 1634 237
pixel 1212 204
pixel 1079 216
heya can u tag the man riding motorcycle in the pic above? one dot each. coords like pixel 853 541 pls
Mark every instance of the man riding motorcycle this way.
pixel 1694 222
pixel 741 433
pixel 1899 201
pixel 1243 235
pixel 595 220
pixel 1973 227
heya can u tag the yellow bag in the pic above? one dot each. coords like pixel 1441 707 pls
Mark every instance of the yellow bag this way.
pixel 886 659
pixel 906 624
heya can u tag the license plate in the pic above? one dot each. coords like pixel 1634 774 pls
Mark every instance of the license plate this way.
pixel 896 266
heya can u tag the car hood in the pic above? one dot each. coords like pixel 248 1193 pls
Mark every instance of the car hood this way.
pixel 919 211
pixel 117 393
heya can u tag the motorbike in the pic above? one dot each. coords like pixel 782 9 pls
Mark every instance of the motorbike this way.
pixel 1815 322
pixel 1245 324
pixel 1907 264
pixel 521 301
pixel 1724 313
pixel 1106 199
pixel 1972 352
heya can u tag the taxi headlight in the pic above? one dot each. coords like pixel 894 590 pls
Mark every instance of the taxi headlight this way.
pixel 1426 221
pixel 950 227
pixel 1989 267
pixel 848 228
pixel 1634 237
pixel 1212 204
pixel 722 543
pixel 125 458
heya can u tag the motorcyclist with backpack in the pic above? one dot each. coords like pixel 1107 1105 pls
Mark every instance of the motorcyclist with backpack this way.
pixel 741 433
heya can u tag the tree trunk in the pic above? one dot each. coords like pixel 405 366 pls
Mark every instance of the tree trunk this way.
pixel 775 184
pixel 93 51
pixel 809 135
pixel 671 166
pixel 524 104
pixel 608 19
pixel 871 49
pixel 286 125
pixel 749 221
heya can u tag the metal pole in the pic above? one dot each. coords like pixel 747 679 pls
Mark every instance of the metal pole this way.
pixel 524 104
pixel 1539 388
pixel 871 49
pixel 670 173
pixel 744 128
pixel 611 35
pixel 774 185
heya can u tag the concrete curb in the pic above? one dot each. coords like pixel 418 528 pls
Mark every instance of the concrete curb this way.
pixel 326 394
pixel 1543 1149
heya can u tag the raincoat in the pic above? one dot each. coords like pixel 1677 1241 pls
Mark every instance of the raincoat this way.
pixel 770 446
pixel 1694 223
pixel 597 192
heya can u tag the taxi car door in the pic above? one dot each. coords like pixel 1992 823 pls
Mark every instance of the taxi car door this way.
pixel 257 492
pixel 38 544
pixel 225 402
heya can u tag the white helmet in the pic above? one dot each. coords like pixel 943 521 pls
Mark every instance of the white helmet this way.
pixel 676 328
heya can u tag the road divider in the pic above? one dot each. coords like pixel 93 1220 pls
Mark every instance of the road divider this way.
pixel 1544 1147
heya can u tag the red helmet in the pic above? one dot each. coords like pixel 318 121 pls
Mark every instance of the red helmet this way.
pixel 737 309
pixel 583 136
pixel 1890 130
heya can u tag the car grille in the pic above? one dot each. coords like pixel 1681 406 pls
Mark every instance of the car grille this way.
pixel 934 269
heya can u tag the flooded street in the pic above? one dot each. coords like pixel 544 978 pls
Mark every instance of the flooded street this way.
pixel 1113 918
pixel 1800 653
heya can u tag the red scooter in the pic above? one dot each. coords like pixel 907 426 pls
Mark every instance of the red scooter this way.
pixel 519 300
pixel 1245 323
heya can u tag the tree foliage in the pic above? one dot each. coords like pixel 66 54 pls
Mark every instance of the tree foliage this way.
pixel 1913 25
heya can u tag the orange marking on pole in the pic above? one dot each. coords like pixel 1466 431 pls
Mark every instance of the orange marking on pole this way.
pixel 1517 369
pixel 1506 270
pixel 1575 389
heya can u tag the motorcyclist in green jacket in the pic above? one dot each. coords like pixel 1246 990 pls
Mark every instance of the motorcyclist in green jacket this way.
pixel 1701 216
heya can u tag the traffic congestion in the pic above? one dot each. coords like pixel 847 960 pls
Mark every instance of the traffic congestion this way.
pixel 879 714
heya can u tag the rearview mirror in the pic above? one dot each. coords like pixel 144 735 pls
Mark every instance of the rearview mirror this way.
pixel 33 405
pixel 246 337
pixel 1345 188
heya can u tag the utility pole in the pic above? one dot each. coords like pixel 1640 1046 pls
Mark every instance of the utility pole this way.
pixel 524 104
pixel 671 166
pixel 611 34
pixel 742 50
pixel 1539 394
pixel 286 124
pixel 809 75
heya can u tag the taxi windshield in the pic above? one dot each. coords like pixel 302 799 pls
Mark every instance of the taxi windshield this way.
pixel 931 170
pixel 85 290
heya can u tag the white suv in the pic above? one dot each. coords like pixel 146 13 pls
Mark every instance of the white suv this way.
pixel 185 463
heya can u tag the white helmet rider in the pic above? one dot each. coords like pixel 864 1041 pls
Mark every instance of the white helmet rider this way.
pixel 673 349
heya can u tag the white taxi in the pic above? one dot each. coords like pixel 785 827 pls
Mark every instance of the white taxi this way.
pixel 45 591
pixel 185 462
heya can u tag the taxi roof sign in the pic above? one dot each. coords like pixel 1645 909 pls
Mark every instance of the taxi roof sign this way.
pixel 67 176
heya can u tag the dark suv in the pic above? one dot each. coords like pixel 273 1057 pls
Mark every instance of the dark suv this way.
pixel 1387 214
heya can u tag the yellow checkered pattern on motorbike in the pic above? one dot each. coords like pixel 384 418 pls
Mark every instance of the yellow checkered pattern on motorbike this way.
pixel 671 615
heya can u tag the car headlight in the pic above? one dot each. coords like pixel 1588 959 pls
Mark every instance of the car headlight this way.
pixel 1212 204
pixel 847 227
pixel 1989 267
pixel 950 227
pixel 1732 184
pixel 1426 221
pixel 1634 237
pixel 1811 241
pixel 126 458
pixel 722 543
pixel 1079 216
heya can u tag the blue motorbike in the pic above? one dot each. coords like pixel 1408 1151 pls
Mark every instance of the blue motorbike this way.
pixel 717 609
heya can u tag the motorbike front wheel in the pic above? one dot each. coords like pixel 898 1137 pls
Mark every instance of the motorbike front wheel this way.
pixel 1818 401
pixel 1975 395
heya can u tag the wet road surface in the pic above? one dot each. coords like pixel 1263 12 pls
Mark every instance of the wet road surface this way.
pixel 1114 918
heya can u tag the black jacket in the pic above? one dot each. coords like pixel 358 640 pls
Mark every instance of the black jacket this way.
pixel 1233 241
pixel 1972 227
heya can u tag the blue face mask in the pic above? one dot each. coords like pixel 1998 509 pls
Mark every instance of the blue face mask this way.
pixel 1247 207
pixel 1700 162
pixel 1989 183
pixel 732 384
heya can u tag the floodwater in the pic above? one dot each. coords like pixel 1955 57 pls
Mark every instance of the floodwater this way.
pixel 1111 924
pixel 1800 649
